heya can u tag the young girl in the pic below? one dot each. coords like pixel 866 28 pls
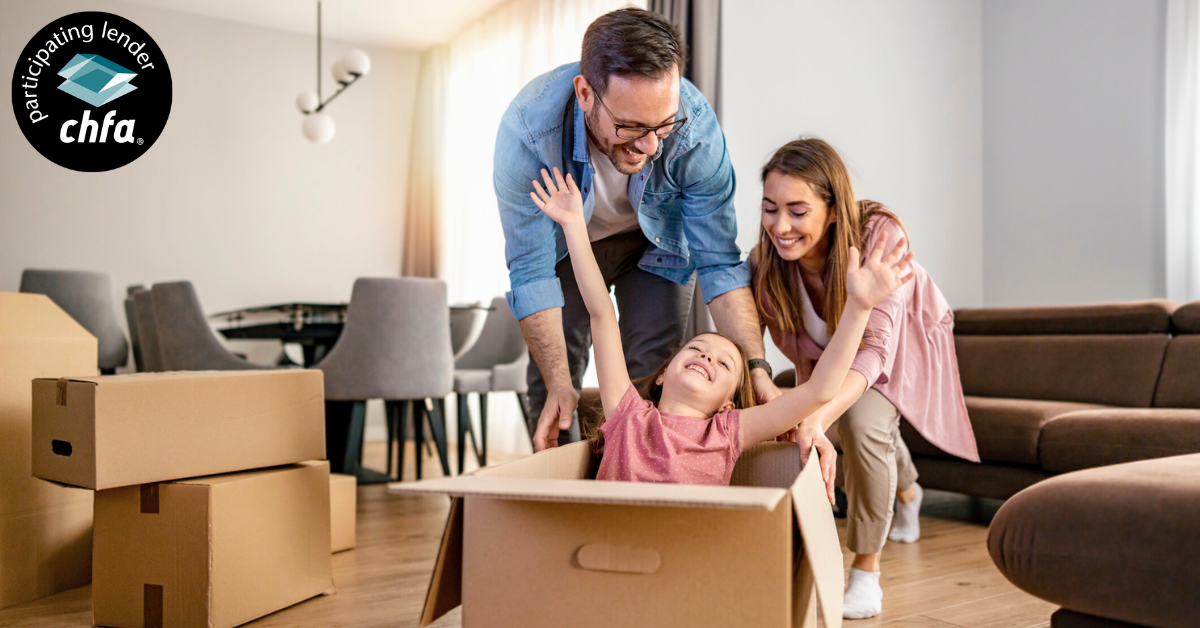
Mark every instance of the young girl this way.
pixel 694 430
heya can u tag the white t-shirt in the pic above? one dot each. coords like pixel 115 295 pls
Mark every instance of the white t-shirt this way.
pixel 613 213
pixel 813 324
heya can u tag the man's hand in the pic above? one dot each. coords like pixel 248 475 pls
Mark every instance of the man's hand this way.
pixel 810 434
pixel 561 402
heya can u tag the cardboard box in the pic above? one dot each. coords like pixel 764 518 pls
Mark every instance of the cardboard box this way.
pixel 211 552
pixel 631 554
pixel 125 430
pixel 343 506
pixel 45 530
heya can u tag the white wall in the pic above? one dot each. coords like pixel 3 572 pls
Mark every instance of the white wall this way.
pixel 895 87
pixel 231 196
pixel 1073 151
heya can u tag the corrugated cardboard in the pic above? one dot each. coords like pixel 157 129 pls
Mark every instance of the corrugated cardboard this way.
pixel 125 430
pixel 620 554
pixel 45 530
pixel 211 552
pixel 343 504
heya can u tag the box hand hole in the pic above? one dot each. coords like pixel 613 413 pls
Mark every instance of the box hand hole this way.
pixel 616 558
pixel 61 447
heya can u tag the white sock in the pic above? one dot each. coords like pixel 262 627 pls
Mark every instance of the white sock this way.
pixel 906 523
pixel 864 597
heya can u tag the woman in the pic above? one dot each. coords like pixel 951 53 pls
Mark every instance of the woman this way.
pixel 905 366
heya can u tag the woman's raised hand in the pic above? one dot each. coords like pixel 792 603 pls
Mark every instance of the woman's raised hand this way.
pixel 560 200
pixel 871 280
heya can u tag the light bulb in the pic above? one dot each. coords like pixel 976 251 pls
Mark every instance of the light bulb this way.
pixel 307 102
pixel 340 73
pixel 357 62
pixel 318 128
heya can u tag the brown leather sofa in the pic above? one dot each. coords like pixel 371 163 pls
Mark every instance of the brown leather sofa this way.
pixel 1114 546
pixel 1057 389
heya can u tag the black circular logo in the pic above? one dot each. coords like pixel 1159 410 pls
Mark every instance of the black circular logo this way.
pixel 92 91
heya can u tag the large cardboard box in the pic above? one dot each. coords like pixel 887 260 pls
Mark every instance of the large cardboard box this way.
pixel 45 530
pixel 535 543
pixel 211 552
pixel 124 430
pixel 343 507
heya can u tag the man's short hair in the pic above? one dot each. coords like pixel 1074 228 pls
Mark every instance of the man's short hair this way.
pixel 630 42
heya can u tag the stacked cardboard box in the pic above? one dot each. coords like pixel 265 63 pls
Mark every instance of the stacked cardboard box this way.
pixel 343 504
pixel 45 530
pixel 210 507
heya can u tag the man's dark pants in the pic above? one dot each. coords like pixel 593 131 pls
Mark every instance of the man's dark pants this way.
pixel 653 313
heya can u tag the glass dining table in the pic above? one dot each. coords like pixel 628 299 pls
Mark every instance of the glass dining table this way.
pixel 315 327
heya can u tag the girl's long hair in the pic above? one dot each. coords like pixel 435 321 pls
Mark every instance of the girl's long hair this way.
pixel 776 284
pixel 743 395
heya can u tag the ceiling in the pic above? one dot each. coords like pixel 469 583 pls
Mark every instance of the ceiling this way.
pixel 408 24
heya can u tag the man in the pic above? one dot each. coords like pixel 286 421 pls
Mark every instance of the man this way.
pixel 658 187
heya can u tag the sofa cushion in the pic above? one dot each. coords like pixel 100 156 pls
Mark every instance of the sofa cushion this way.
pixel 1006 430
pixel 1094 438
pixel 1116 542
pixel 1135 317
pixel 1186 319
pixel 1117 370
pixel 1179 383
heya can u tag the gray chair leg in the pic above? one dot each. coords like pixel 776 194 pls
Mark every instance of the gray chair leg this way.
pixel 464 424
pixel 481 452
pixel 396 423
pixel 523 401
pixel 404 409
pixel 419 412
pixel 389 420
pixel 437 425
pixel 358 421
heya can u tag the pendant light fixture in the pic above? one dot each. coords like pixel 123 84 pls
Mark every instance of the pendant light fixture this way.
pixel 318 126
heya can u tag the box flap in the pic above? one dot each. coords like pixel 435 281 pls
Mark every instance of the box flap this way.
pixel 767 464
pixel 445 587
pixel 568 462
pixel 36 316
pixel 822 548
pixel 599 492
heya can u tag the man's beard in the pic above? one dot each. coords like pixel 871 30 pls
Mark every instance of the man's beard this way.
pixel 614 152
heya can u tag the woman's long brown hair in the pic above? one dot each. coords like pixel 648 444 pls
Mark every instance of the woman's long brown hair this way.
pixel 775 283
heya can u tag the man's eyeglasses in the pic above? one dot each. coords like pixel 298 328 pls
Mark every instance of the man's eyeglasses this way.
pixel 627 132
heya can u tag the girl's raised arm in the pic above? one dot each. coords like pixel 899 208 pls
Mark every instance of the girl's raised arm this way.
pixel 561 201
pixel 867 284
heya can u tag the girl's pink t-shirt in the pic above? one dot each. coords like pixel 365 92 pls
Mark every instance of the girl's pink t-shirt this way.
pixel 642 444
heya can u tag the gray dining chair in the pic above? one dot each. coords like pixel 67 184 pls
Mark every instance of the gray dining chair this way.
pixel 143 313
pixel 185 340
pixel 497 362
pixel 395 347
pixel 464 318
pixel 135 342
pixel 87 297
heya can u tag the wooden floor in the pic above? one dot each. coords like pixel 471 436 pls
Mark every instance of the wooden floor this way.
pixel 946 580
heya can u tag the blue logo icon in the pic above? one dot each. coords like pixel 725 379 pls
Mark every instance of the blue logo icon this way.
pixel 95 80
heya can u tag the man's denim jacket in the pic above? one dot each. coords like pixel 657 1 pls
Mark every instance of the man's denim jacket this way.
pixel 684 195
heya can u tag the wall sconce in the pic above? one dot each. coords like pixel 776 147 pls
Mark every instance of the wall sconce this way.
pixel 318 126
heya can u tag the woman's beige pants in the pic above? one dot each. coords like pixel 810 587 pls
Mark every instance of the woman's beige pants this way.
pixel 876 462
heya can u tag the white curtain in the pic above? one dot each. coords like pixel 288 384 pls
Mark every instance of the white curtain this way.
pixel 1183 150
pixel 489 62
pixel 475 77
